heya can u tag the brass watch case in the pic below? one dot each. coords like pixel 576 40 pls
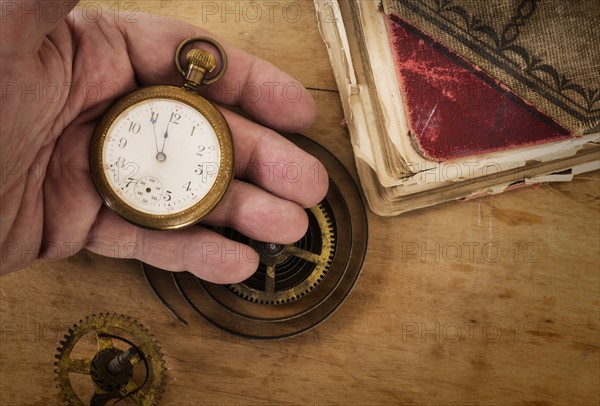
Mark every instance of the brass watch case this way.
pixel 179 219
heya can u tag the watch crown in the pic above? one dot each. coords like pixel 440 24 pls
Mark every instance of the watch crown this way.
pixel 200 62
pixel 202 59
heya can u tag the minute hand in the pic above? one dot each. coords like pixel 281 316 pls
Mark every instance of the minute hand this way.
pixel 153 121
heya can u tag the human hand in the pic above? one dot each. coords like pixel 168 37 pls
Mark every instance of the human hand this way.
pixel 59 77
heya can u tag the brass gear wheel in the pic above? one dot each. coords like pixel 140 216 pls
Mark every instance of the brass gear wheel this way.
pixel 289 272
pixel 296 287
pixel 113 371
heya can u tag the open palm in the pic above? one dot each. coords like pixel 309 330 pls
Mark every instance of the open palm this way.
pixel 59 78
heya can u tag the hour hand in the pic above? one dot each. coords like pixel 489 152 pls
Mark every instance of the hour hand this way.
pixel 165 138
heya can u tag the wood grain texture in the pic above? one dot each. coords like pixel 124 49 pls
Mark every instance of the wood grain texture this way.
pixel 492 301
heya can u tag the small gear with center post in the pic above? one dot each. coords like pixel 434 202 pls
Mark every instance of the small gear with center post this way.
pixel 120 356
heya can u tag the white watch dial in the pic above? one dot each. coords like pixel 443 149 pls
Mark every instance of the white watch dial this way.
pixel 161 156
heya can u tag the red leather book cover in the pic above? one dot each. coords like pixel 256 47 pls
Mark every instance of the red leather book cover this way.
pixel 456 110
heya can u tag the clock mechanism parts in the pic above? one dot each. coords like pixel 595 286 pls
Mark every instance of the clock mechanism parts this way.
pixel 109 358
pixel 296 286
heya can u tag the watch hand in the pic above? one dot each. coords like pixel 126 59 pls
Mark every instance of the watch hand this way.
pixel 165 138
pixel 153 119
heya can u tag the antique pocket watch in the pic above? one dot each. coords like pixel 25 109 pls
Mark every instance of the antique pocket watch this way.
pixel 162 156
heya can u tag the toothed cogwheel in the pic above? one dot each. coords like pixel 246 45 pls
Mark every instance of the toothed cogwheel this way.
pixel 111 369
pixel 289 272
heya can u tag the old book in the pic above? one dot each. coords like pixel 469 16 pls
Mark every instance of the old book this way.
pixel 451 99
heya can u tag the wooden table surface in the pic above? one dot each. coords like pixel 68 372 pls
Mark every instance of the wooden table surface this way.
pixel 492 301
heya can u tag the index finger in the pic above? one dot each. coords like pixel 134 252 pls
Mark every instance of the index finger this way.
pixel 267 94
